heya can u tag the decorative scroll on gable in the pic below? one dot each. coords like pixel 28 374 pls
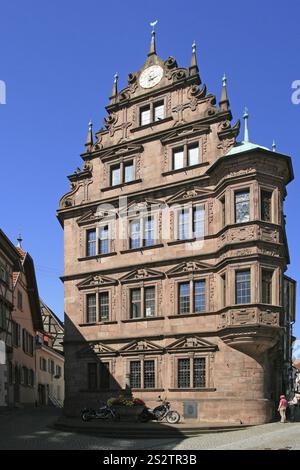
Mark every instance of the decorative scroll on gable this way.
pixel 96 349
pixel 188 267
pixel 96 216
pixel 191 343
pixel 140 347
pixel 96 281
pixel 141 274
pixel 188 194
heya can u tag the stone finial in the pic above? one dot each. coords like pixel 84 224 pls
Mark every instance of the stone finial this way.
pixel 89 141
pixel 194 67
pixel 152 50
pixel 115 86
pixel 274 146
pixel 224 102
pixel 19 240
pixel 246 130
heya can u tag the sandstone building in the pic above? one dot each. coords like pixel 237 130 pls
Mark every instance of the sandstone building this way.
pixel 175 254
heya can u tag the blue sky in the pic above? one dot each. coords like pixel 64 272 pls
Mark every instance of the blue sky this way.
pixel 58 59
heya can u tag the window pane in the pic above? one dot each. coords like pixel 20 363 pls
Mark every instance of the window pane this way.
pixel 92 376
pixel 104 240
pixel 193 154
pixel 135 303
pixel 198 221
pixel 267 286
pixel 91 308
pixel 103 306
pixel 199 372
pixel 135 374
pixel 115 176
pixel 199 296
pixel 183 224
pixel 178 159
pixel 223 212
pixel 145 116
pixel 104 375
pixel 183 373
pixel 266 204
pixel 128 172
pixel 149 231
pixel 184 297
pixel 135 234
pixel 91 243
pixel 242 287
pixel 158 111
pixel 242 207
pixel 149 301
pixel 149 374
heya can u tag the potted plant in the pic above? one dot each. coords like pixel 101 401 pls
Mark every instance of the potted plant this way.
pixel 128 408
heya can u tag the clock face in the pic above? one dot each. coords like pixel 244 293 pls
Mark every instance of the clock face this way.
pixel 151 76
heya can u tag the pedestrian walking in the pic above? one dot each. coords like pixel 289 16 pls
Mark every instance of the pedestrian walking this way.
pixel 282 408
pixel 292 407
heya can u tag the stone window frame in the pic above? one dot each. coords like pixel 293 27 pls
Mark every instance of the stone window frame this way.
pixel 192 356
pixel 275 283
pixel 111 237
pixel 121 160
pixel 236 188
pixel 191 278
pixel 156 214
pixel 151 103
pixel 97 291
pixel 274 203
pixel 223 209
pixel 185 143
pixel 231 285
pixel 222 294
pixel 142 357
pixel 141 285
pixel 190 205
pixel 98 383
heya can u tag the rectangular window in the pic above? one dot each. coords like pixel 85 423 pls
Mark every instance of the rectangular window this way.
pixel 104 375
pixel 115 176
pixel 20 300
pixel 267 277
pixel 266 206
pixel 128 172
pixel 104 240
pixel 178 158
pixel 135 234
pixel 148 231
pixel 135 374
pixel 135 303
pixel 199 296
pixel 183 373
pixel 158 111
pixel 3 316
pixel 193 154
pixel 149 374
pixel 92 376
pixel 183 224
pixel 199 378
pixel 149 301
pixel 91 242
pixel 145 115
pixel 242 287
pixel 242 206
pixel 91 308
pixel 223 289
pixel 184 298
pixel 16 334
pixel 223 212
pixel 199 221
pixel 58 371
pixel 103 306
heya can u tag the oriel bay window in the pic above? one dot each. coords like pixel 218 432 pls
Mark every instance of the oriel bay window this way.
pixel 122 173
pixel 266 286
pixel 243 287
pixel 142 373
pixel 192 297
pixel 185 156
pixel 191 222
pixel 142 302
pixel 191 372
pixel 98 307
pixel 242 206
pixel 142 232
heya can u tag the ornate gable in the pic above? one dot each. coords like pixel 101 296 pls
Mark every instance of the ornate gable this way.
pixel 188 194
pixel 140 346
pixel 188 267
pixel 96 281
pixel 96 349
pixel 141 274
pixel 191 343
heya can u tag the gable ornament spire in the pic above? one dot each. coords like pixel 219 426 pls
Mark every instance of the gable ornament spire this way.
pixel 194 67
pixel 19 240
pixel 89 141
pixel 115 86
pixel 274 146
pixel 152 45
pixel 224 102
pixel 246 130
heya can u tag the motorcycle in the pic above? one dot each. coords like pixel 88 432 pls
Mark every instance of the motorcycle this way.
pixel 160 412
pixel 103 412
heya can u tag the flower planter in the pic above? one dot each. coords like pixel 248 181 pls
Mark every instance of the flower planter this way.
pixel 128 413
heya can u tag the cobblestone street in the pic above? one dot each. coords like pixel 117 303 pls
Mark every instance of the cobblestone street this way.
pixel 31 429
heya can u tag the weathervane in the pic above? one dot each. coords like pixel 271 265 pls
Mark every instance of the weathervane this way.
pixel 153 24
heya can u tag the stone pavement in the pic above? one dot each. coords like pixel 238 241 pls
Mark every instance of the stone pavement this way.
pixel 33 429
